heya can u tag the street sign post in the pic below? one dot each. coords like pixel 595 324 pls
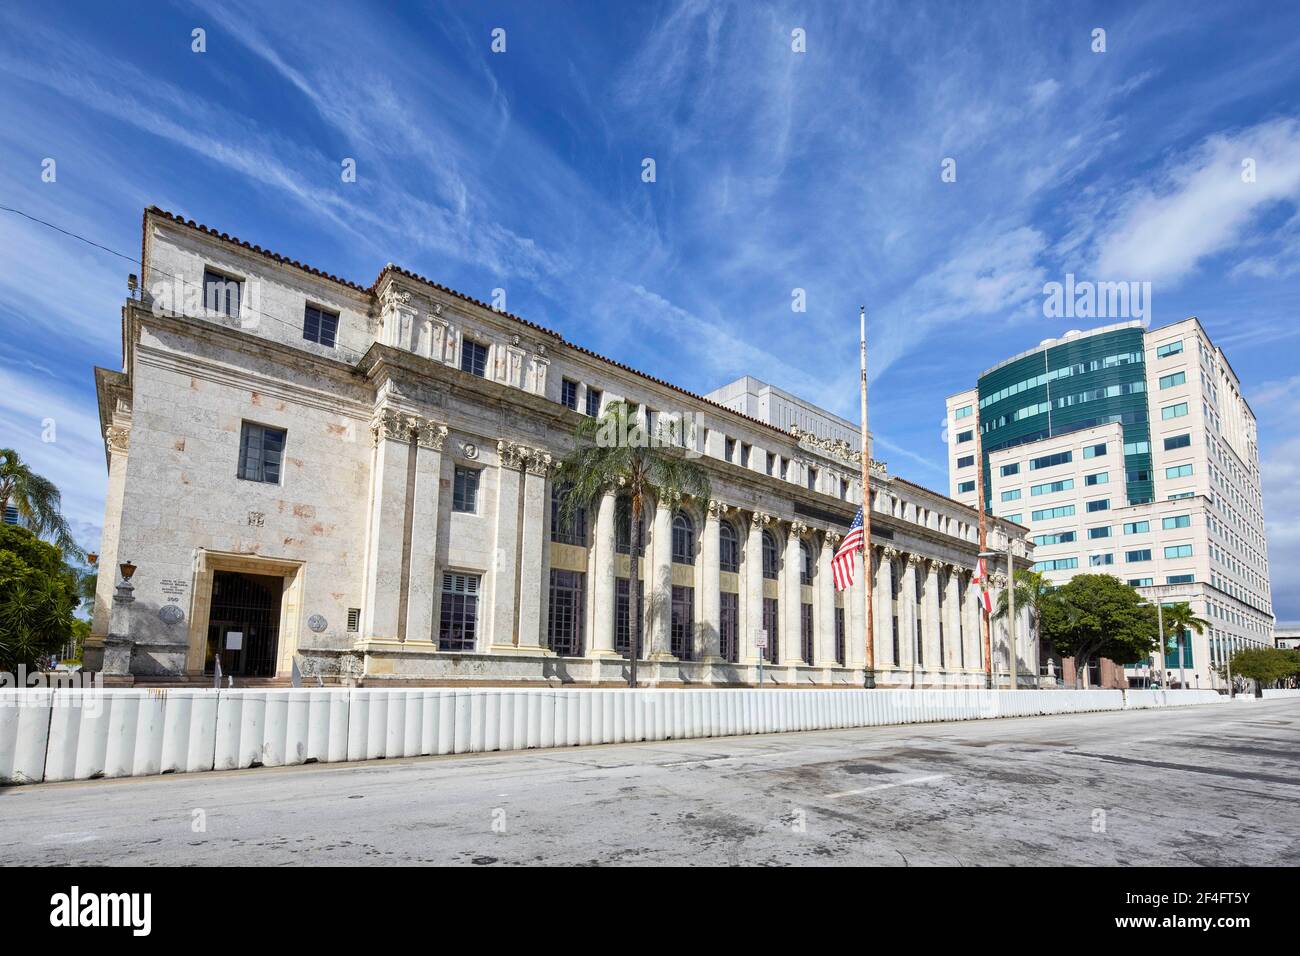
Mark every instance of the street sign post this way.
pixel 760 641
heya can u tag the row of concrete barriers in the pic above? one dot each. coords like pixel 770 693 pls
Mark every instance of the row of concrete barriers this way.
pixel 54 734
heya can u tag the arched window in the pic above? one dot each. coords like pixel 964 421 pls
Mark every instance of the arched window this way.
pixel 623 527
pixel 729 553
pixel 807 568
pixel 771 561
pixel 573 531
pixel 683 538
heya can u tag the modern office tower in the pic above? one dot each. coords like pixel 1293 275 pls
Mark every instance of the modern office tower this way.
pixel 1130 452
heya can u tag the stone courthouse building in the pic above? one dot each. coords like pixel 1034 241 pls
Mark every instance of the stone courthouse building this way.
pixel 358 478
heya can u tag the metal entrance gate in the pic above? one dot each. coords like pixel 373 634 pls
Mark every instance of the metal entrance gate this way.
pixel 247 605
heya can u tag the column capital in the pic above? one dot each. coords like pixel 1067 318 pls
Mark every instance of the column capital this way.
pixel 117 438
pixel 716 509
pixel 798 529
pixel 431 435
pixel 832 539
pixel 389 424
pixel 759 519
pixel 539 462
pixel 914 558
pixel 890 552
pixel 669 498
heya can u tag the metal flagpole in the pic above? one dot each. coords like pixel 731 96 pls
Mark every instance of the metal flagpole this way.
pixel 870 675
pixel 984 546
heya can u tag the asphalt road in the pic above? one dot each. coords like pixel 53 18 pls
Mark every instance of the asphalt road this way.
pixel 1208 785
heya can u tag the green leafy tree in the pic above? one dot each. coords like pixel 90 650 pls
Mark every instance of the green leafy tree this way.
pixel 38 593
pixel 615 453
pixel 36 499
pixel 1097 615
pixel 1265 665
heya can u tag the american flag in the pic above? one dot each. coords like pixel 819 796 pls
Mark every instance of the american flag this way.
pixel 981 577
pixel 842 563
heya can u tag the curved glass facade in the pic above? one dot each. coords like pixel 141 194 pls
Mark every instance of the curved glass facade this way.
pixel 1076 384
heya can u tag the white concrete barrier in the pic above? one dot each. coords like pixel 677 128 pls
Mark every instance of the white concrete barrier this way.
pixel 68 734
pixel 1278 692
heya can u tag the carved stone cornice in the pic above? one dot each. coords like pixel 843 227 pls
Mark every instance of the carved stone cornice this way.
pixel 118 439
pixel 837 448
pixel 392 425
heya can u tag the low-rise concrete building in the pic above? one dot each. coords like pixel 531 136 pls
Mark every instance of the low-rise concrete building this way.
pixel 358 479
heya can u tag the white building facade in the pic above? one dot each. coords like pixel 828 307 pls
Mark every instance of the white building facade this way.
pixel 1130 452
pixel 357 481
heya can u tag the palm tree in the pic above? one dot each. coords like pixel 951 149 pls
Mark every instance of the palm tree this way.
pixel 1033 593
pixel 36 500
pixel 1180 618
pixel 615 451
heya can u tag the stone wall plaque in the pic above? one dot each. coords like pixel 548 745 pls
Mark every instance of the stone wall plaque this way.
pixel 171 614
pixel 317 623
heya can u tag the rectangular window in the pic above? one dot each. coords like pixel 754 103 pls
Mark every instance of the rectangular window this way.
pixel 771 462
pixel 966 461
pixel 1103 532
pixel 1140 582
pixel 623 620
pixel 681 633
pixel 1137 527
pixel 1172 348
pixel 963 437
pixel 1180 496
pixel 473 358
pixel 261 450
pixel 573 531
pixel 1101 504
pixel 1178 471
pixel 567 613
pixel 964 412
pixel 1011 495
pixel 569 393
pixel 1049 461
pixel 320 326
pixel 1178 551
pixel 812 479
pixel 1173 411
pixel 965 486
pixel 1059 537
pixel 840 657
pixel 1174 442
pixel 771 624
pixel 458 619
pixel 1137 474
pixel 1052 487
pixel 1100 560
pixel 1016 518
pixel 785 469
pixel 1180 579
pixel 1177 378
pixel 221 294
pixel 1100 478
pixel 1047 514
pixel 729 449
pixel 1177 521
pixel 1095 451
pixel 1011 469
pixel 1059 564
pixel 729 626
pixel 1134 557
pixel 744 455
pixel 594 396
pixel 464 494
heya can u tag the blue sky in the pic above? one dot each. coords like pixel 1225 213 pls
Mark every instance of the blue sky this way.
pixel 775 171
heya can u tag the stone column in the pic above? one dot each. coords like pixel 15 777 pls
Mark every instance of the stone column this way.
pixel 930 625
pixel 753 584
pixel 424 586
pixel 907 612
pixel 791 597
pixel 505 562
pixel 659 610
pixel 382 617
pixel 855 618
pixel 602 631
pixel 970 634
pixel 998 629
pixel 952 611
pixel 883 609
pixel 825 585
pixel 711 583
pixel 534 574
